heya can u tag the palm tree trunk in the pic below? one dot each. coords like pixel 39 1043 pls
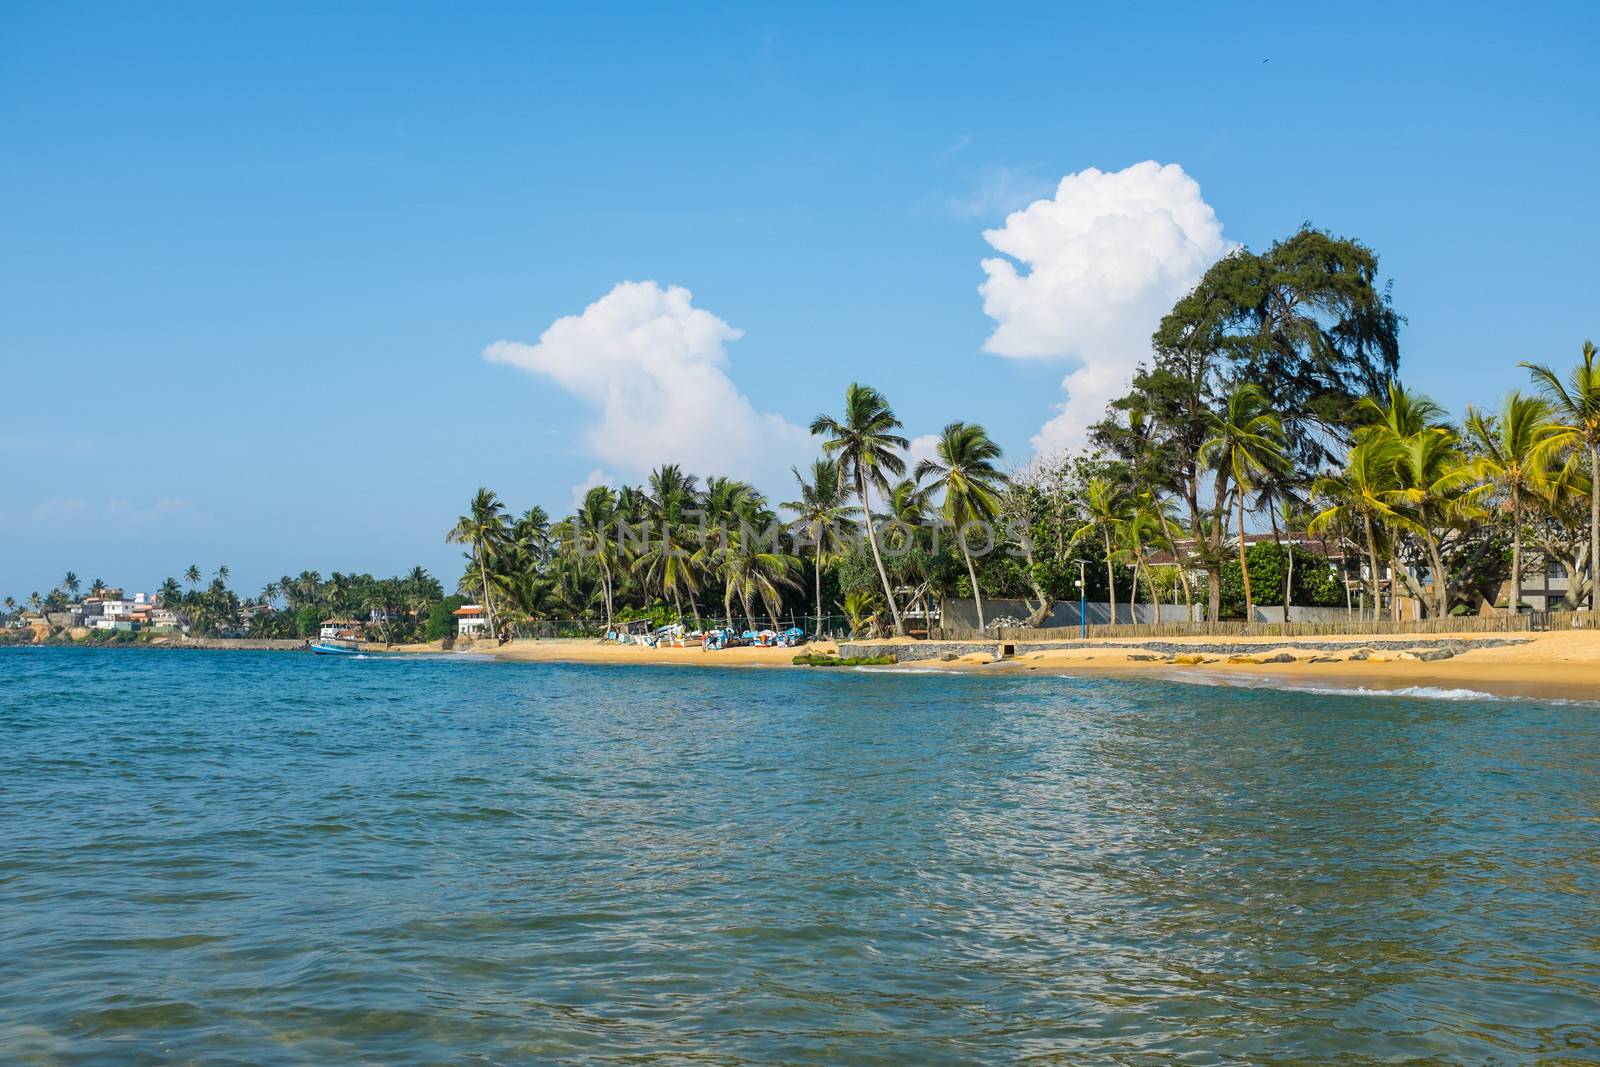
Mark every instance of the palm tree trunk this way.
pixel 488 608
pixel 1111 579
pixel 1288 585
pixel 818 558
pixel 1394 578
pixel 972 573
pixel 1372 556
pixel 1133 591
pixel 1277 540
pixel 1441 590
pixel 872 539
pixel 1244 567
pixel 1515 603
pixel 1594 526
pixel 1150 591
pixel 1183 571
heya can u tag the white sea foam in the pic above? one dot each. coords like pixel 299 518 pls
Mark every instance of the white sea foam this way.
pixel 1414 692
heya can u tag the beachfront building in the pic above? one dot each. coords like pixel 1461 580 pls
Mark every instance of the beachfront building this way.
pixel 471 621
pixel 163 619
pixel 339 628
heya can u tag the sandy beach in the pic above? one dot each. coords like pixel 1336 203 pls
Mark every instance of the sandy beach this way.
pixel 1546 665
pixel 588 650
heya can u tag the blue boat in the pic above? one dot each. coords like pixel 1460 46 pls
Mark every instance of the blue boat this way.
pixel 336 646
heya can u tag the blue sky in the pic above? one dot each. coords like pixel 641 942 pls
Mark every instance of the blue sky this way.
pixel 251 258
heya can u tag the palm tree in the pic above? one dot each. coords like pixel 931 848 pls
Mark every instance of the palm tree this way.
pixel 70 584
pixel 748 570
pixel 1359 496
pixel 823 517
pixel 964 470
pixel 1515 448
pixel 1576 403
pixel 867 450
pixel 1430 475
pixel 667 561
pixel 1105 509
pixel 269 593
pixel 1247 441
pixel 11 606
pixel 483 530
pixel 97 587
pixel 192 575
pixel 35 601
pixel 1431 481
pixel 531 532
pixel 589 531
pixel 222 574
pixel 1142 526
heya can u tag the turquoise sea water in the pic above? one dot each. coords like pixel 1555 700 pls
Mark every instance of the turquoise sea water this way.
pixel 227 858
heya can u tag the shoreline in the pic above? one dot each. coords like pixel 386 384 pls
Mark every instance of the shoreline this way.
pixel 1562 666
pixel 1551 666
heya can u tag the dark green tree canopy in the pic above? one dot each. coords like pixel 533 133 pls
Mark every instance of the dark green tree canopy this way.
pixel 1306 321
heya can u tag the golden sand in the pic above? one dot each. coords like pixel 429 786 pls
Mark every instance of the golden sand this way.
pixel 1561 665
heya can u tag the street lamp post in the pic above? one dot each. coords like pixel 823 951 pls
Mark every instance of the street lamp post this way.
pixel 1083 602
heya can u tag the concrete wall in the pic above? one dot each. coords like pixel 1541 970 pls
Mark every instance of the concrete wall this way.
pixel 963 614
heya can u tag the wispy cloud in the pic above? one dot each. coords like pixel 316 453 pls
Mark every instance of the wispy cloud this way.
pixel 994 192
pixel 65 511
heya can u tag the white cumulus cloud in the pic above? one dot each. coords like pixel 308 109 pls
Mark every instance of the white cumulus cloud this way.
pixel 654 369
pixel 593 479
pixel 1087 275
pixel 924 446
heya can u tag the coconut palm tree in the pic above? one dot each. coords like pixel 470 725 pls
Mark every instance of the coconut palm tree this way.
pixel 1576 402
pixel 97 587
pixel 667 561
pixel 867 451
pixel 749 569
pixel 192 575
pixel 1431 483
pixel 590 531
pixel 222 574
pixel 10 606
pixel 1105 508
pixel 963 470
pixel 823 517
pixel 531 533
pixel 1358 496
pixel 1514 452
pixel 269 593
pixel 483 530
pixel 71 584
pixel 1246 440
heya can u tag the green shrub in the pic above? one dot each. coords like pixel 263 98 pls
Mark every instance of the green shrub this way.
pixel 817 660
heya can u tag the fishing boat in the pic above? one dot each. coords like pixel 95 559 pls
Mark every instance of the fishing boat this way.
pixel 336 646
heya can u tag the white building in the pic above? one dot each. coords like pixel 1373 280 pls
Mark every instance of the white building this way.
pixel 471 621
pixel 339 628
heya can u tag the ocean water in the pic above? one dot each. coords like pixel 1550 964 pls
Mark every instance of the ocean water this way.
pixel 240 858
